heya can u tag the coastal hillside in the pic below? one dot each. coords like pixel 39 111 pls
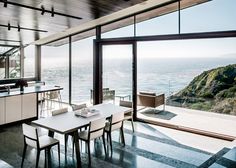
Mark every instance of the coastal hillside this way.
pixel 213 90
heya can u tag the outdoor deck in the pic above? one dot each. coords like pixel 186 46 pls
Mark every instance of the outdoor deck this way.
pixel 183 118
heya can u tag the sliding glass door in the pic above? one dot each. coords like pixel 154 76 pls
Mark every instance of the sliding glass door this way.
pixel 117 72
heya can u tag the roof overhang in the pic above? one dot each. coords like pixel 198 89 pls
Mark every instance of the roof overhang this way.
pixel 130 11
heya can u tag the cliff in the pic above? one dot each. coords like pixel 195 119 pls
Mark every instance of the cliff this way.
pixel 213 90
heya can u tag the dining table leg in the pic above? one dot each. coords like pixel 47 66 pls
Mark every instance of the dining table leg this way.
pixel 77 149
pixel 50 133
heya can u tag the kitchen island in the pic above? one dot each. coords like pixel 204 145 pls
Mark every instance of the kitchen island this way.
pixel 17 106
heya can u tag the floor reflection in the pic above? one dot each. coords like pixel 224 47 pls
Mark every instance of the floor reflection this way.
pixel 141 150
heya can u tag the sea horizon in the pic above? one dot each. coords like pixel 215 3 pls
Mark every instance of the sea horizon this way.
pixel 165 75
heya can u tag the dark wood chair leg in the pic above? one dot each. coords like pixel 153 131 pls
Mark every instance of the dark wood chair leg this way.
pixel 66 142
pixel 51 133
pixel 59 153
pixel 122 135
pixel 45 162
pixel 37 158
pixel 88 144
pixel 132 122
pixel 110 139
pixel 104 143
pixel 73 146
pixel 77 149
pixel 23 156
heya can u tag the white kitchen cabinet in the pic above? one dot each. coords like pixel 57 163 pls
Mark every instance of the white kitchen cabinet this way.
pixel 13 108
pixel 29 106
pixel 2 111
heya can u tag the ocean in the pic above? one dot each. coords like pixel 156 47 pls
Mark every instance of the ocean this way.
pixel 167 76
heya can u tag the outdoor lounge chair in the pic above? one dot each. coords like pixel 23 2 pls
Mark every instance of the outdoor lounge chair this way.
pixel 152 100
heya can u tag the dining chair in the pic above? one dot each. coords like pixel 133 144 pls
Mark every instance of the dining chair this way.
pixel 32 139
pixel 115 123
pixel 96 130
pixel 78 106
pixel 128 115
pixel 54 95
pixel 74 108
pixel 58 112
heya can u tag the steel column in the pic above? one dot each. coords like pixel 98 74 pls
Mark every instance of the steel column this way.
pixel 38 62
pixel 70 71
pixel 134 71
pixel 97 68
pixel 22 62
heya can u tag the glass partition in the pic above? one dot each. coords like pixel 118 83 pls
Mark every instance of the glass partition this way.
pixel 10 66
pixel 2 67
pixel 216 15
pixel 14 63
pixel 82 69
pixel 192 74
pixel 117 72
pixel 122 28
pixel 55 66
pixel 29 61
pixel 158 21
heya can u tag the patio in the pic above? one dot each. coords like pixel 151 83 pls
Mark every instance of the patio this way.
pixel 208 123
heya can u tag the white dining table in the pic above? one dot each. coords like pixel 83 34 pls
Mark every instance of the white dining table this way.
pixel 69 123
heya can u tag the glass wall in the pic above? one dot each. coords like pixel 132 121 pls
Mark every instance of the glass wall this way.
pixel 3 61
pixel 14 64
pixel 216 15
pixel 122 28
pixel 195 74
pixel 117 72
pixel 29 61
pixel 10 66
pixel 82 70
pixel 55 66
pixel 158 21
pixel 2 67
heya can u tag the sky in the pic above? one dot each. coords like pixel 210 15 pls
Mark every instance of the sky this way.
pixel 216 15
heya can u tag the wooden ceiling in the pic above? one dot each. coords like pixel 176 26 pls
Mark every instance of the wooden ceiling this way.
pixel 151 8
pixel 92 12
pixel 86 9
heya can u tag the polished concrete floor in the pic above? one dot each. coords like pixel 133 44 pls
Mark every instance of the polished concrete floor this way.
pixel 146 148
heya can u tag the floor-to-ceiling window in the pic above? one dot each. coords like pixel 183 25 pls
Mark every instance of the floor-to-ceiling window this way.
pixel 117 62
pixel 195 74
pixel 117 72
pixel 55 66
pixel 82 68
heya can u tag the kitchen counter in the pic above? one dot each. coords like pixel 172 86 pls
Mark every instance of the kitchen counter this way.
pixel 28 90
